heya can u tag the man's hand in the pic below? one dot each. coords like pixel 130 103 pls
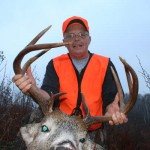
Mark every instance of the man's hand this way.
pixel 24 83
pixel 113 110
pixel 118 118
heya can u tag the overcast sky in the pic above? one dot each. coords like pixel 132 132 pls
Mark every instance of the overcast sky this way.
pixel 117 27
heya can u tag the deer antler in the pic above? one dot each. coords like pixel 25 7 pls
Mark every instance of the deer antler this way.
pixel 44 104
pixel 133 86
pixel 133 91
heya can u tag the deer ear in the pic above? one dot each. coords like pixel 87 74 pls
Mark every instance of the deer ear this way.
pixel 28 132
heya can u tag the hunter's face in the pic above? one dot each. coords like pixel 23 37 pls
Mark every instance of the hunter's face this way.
pixel 80 40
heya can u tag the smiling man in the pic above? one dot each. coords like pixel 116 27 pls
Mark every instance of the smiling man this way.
pixel 79 71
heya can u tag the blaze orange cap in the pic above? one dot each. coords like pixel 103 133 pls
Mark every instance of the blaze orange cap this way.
pixel 74 19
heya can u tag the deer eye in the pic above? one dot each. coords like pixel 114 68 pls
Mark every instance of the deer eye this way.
pixel 82 140
pixel 45 128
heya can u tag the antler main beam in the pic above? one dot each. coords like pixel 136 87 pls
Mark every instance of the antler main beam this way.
pixel 44 104
pixel 133 92
pixel 133 86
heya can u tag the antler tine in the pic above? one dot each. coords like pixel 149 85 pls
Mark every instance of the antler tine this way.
pixel 128 80
pixel 88 119
pixel 39 35
pixel 50 109
pixel 133 86
pixel 31 60
pixel 120 92
pixel 18 70
pixel 52 97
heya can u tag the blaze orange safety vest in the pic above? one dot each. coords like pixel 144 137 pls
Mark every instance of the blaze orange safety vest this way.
pixel 91 84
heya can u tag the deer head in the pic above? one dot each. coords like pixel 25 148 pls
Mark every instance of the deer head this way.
pixel 57 130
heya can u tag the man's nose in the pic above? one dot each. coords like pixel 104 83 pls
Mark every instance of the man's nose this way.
pixel 76 37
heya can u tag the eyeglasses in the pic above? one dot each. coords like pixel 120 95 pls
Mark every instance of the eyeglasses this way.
pixel 72 36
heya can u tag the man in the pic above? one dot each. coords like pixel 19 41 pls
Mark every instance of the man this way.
pixel 76 72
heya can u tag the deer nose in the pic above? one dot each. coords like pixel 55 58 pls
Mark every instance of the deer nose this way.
pixel 63 148
pixel 60 148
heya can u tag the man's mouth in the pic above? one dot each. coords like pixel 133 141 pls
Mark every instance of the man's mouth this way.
pixel 77 45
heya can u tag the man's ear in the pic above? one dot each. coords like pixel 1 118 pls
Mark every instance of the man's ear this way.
pixel 28 132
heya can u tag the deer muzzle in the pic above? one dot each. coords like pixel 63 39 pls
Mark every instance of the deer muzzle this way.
pixel 65 145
